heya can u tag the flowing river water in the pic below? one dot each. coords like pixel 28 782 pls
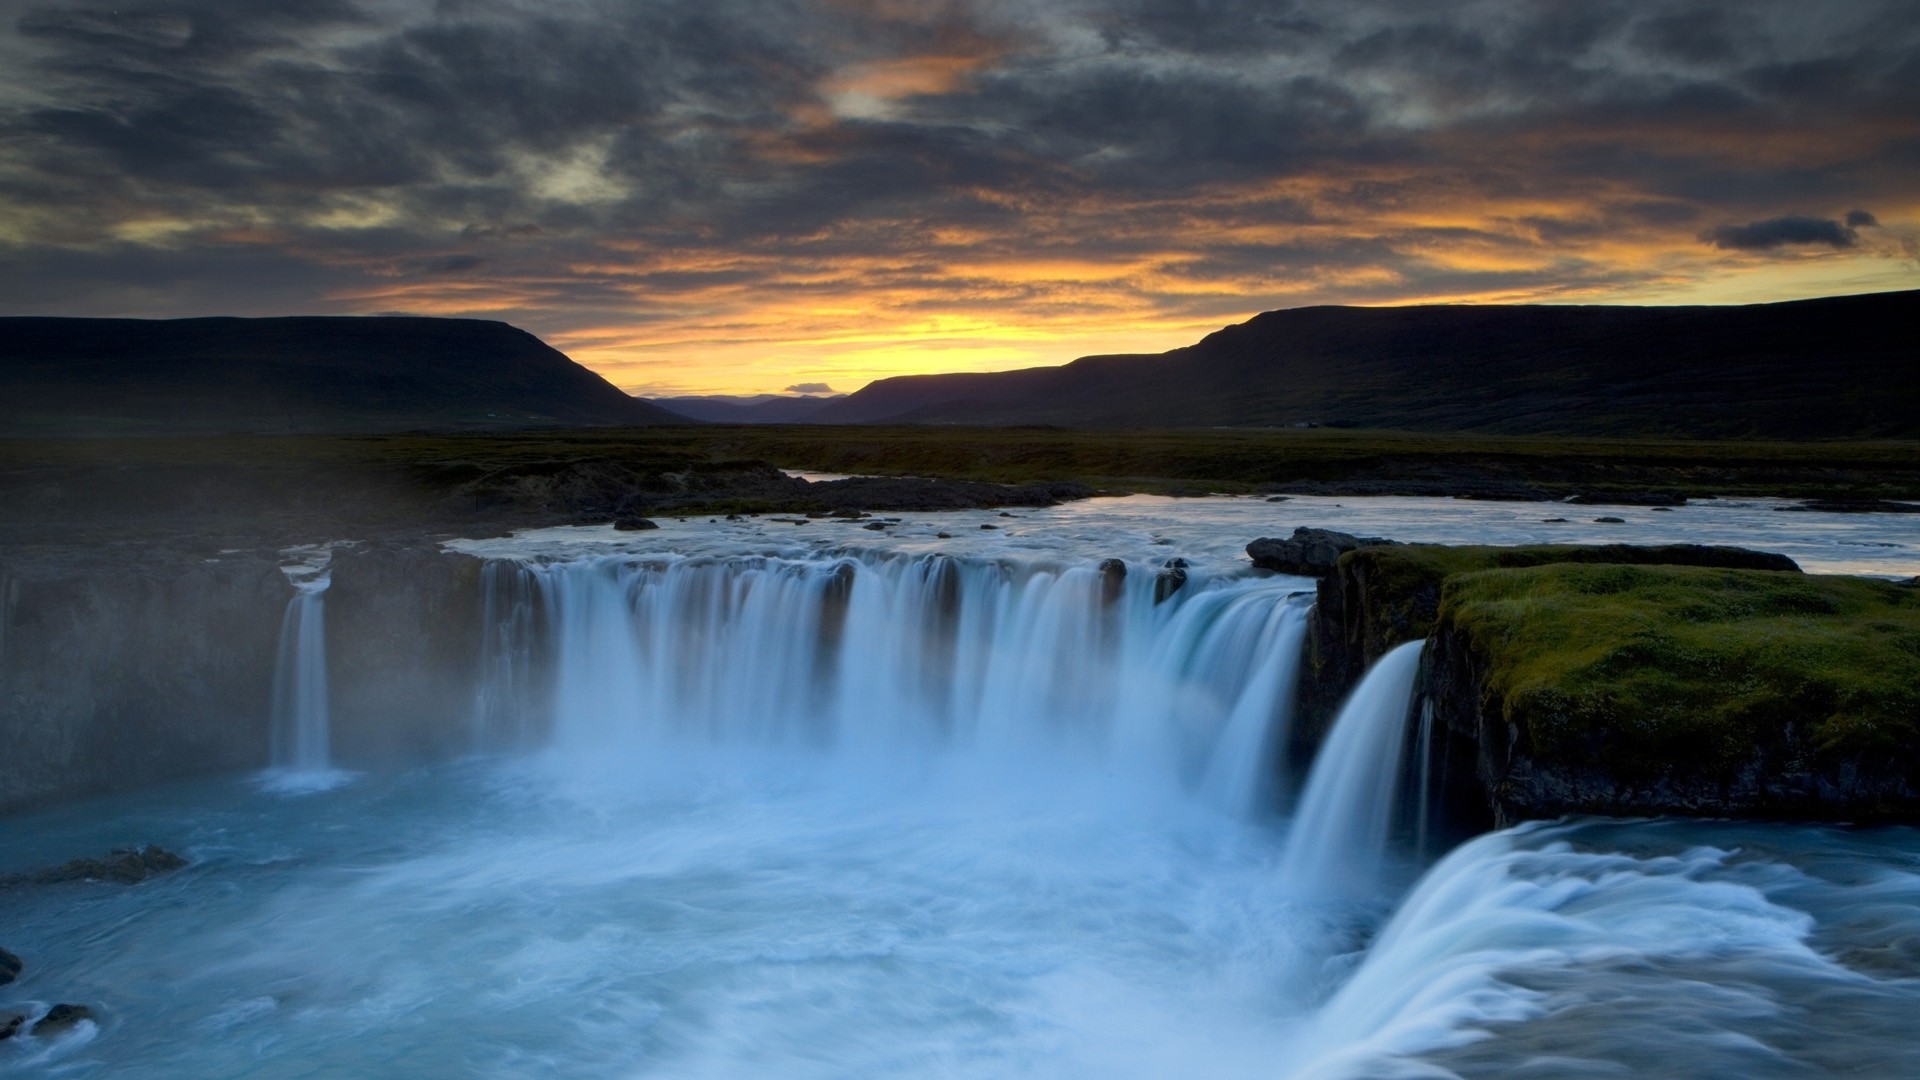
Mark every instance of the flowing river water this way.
pixel 759 799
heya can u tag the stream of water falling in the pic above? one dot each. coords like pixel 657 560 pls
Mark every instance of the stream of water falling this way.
pixel 301 749
pixel 761 807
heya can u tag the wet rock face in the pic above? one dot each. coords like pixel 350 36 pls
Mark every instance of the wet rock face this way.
pixel 123 667
pixel 1308 552
pixel 1171 579
pixel 1783 776
pixel 1113 579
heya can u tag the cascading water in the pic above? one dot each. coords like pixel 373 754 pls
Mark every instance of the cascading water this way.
pixel 891 654
pixel 794 811
pixel 1339 839
pixel 301 739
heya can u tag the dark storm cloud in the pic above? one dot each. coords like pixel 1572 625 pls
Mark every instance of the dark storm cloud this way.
pixel 624 160
pixel 1782 232
pixel 1860 219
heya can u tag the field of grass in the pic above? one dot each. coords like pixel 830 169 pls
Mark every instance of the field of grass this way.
pixel 1237 460
pixel 254 489
pixel 1635 668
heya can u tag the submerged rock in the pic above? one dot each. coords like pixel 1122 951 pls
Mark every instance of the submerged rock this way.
pixel 60 1018
pixel 1308 552
pixel 123 866
pixel 10 1025
pixel 1609 521
pixel 10 966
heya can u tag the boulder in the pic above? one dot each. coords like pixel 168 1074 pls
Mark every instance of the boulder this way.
pixel 1171 578
pixel 629 523
pixel 1113 578
pixel 60 1018
pixel 1308 552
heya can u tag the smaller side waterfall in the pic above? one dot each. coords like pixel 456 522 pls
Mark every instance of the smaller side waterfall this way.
pixel 1339 836
pixel 301 747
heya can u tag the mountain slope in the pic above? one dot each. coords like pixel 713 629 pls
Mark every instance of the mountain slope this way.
pixel 762 409
pixel 1837 367
pixel 306 375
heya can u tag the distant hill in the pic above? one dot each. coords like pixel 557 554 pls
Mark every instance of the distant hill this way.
pixel 295 375
pixel 1838 367
pixel 756 409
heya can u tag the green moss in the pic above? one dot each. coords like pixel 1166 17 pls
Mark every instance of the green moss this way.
pixel 1642 668
pixel 1402 583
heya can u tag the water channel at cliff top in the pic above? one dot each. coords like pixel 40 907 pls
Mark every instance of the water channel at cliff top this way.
pixel 994 821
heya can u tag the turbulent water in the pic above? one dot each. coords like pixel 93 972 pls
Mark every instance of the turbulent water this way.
pixel 753 804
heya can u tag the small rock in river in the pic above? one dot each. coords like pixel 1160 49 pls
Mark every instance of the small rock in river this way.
pixel 126 866
pixel 1553 521
pixel 60 1018
pixel 1609 521
pixel 10 966
pixel 989 526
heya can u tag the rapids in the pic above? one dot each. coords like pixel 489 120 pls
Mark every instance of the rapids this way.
pixel 762 799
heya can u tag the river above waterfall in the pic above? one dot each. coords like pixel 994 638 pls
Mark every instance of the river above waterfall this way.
pixel 753 798
pixel 1214 531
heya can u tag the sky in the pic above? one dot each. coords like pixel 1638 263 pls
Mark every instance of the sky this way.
pixel 709 196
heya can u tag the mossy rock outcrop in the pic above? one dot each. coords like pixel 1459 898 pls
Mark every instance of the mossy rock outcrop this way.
pixel 1636 689
pixel 1383 596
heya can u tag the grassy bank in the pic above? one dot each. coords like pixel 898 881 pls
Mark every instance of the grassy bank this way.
pixel 1636 668
pixel 1224 460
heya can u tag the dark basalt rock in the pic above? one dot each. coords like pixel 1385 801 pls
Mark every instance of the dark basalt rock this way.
pixel 124 866
pixel 918 493
pixel 1113 579
pixel 1308 552
pixel 1170 580
pixel 633 524
pixel 1629 498
pixel 10 966
pixel 60 1018
pixel 1609 521
pixel 1854 506
pixel 10 1025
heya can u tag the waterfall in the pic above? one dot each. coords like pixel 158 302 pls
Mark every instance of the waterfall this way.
pixel 1339 838
pixel 1243 768
pixel 877 654
pixel 300 748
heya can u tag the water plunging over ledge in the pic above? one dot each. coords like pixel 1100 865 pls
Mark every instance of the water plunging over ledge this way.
pixel 765 805
pixel 301 747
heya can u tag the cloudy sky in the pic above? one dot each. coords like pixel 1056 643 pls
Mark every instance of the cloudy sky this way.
pixel 720 196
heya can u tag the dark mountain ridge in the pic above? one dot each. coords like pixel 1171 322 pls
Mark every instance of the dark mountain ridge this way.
pixel 305 375
pixel 758 409
pixel 1826 368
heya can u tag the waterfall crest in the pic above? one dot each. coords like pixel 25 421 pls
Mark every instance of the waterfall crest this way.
pixel 880 654
pixel 1339 838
